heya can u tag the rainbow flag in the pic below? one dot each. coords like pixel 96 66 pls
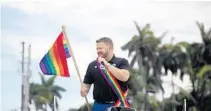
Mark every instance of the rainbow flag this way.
pixel 54 61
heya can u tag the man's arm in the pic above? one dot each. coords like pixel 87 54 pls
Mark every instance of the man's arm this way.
pixel 88 80
pixel 85 89
pixel 120 74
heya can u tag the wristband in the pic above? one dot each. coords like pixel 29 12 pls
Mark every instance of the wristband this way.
pixel 108 65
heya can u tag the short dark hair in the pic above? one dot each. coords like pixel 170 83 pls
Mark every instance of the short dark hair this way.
pixel 106 40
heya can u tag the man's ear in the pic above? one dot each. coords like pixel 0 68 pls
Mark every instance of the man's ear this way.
pixel 110 47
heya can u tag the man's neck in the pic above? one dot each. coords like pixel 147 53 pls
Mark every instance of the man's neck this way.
pixel 110 56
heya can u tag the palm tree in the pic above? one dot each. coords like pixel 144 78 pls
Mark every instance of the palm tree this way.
pixel 53 90
pixel 36 96
pixel 145 47
pixel 43 94
pixel 196 63
pixel 200 54
pixel 174 58
pixel 136 86
pixel 190 59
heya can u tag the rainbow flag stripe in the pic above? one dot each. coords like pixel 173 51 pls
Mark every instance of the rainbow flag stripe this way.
pixel 54 61
pixel 114 85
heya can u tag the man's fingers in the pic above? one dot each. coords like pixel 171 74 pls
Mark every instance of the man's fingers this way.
pixel 83 92
pixel 101 60
pixel 85 89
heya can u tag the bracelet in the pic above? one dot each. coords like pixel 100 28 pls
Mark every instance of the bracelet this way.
pixel 108 65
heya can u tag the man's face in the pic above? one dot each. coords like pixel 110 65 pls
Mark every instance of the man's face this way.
pixel 103 49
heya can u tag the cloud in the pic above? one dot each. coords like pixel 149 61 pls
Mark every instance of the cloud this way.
pixel 175 17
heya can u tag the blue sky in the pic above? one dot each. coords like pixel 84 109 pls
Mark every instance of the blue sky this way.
pixel 39 22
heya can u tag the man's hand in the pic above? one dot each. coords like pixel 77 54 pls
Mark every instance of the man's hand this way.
pixel 102 60
pixel 84 91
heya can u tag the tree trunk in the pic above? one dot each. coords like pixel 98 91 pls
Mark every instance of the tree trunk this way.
pixel 173 92
pixel 162 105
pixel 145 100
pixel 202 96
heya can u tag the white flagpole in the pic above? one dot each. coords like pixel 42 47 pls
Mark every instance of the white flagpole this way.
pixel 54 103
pixel 75 64
pixel 184 104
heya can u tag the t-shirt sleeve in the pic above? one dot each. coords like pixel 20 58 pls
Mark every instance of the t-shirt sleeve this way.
pixel 124 64
pixel 88 79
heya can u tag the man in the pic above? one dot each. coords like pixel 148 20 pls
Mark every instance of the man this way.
pixel 103 94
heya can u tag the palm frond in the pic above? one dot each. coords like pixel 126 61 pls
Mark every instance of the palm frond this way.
pixel 43 81
pixel 50 81
pixel 139 31
pixel 134 59
pixel 201 28
pixel 204 70
pixel 58 88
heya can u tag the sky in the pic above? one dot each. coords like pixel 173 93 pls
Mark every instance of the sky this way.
pixel 38 22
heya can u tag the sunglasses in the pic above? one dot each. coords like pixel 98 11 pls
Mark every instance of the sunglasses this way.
pixel 121 109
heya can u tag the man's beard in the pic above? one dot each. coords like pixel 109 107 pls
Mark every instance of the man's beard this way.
pixel 104 55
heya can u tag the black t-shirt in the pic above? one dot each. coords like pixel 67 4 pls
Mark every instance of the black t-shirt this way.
pixel 102 91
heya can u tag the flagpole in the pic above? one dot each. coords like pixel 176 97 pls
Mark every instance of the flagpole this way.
pixel 74 61
pixel 184 104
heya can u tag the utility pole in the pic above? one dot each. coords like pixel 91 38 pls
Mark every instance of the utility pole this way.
pixel 23 79
pixel 27 81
